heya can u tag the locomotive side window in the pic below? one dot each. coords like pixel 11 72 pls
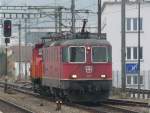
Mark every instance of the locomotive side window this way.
pixel 65 54
pixel 40 51
pixel 99 54
pixel 109 54
pixel 45 54
pixel 77 54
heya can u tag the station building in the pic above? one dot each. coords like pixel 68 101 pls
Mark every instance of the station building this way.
pixel 111 24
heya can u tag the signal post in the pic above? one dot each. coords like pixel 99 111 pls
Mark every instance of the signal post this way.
pixel 7 34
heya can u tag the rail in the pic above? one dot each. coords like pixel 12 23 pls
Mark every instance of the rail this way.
pixel 103 108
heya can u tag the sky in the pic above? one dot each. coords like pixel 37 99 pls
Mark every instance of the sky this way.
pixel 85 3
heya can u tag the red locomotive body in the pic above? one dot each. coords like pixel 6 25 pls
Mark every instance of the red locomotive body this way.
pixel 78 69
pixel 36 65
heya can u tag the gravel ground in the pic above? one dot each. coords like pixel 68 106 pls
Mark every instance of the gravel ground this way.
pixel 37 105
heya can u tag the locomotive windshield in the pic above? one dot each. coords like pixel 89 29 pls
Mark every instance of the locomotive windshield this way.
pixel 99 54
pixel 77 54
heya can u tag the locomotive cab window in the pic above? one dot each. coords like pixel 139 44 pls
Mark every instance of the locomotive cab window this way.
pixel 65 54
pixel 77 54
pixel 99 54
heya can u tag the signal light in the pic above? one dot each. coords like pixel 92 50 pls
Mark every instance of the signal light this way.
pixel 7 28
pixel 7 40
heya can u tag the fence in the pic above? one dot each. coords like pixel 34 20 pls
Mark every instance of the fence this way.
pixel 132 80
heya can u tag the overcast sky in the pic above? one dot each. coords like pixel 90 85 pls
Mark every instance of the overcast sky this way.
pixel 79 3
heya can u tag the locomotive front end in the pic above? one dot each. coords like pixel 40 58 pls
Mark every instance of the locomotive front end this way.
pixel 87 71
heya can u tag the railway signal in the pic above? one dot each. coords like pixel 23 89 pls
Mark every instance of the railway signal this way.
pixel 7 28
pixel 7 34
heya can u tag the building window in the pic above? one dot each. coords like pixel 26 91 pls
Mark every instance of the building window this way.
pixel 141 23
pixel 128 24
pixel 135 80
pixel 135 53
pixel 132 53
pixel 128 79
pixel 128 53
pixel 135 23
pixel 132 24
pixel 141 79
pixel 141 53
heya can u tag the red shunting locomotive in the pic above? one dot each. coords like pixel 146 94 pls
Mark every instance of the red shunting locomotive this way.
pixel 78 68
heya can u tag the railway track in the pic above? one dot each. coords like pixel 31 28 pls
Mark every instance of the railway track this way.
pixel 104 108
pixel 10 107
pixel 127 103
pixel 113 106
pixel 109 108
pixel 120 109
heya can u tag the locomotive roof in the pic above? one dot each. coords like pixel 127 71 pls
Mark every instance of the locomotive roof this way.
pixel 85 41
pixel 79 40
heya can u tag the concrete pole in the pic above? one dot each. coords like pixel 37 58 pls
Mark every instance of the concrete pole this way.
pixel 56 20
pixel 60 19
pixel 73 16
pixel 19 29
pixel 123 46
pixel 139 22
pixel 25 49
pixel 6 58
pixel 99 18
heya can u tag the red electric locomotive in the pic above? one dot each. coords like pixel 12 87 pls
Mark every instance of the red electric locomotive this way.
pixel 78 69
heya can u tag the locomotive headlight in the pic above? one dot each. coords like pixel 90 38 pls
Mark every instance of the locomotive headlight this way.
pixel 88 48
pixel 103 76
pixel 74 76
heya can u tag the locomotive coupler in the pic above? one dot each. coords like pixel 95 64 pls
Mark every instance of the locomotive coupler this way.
pixel 58 105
